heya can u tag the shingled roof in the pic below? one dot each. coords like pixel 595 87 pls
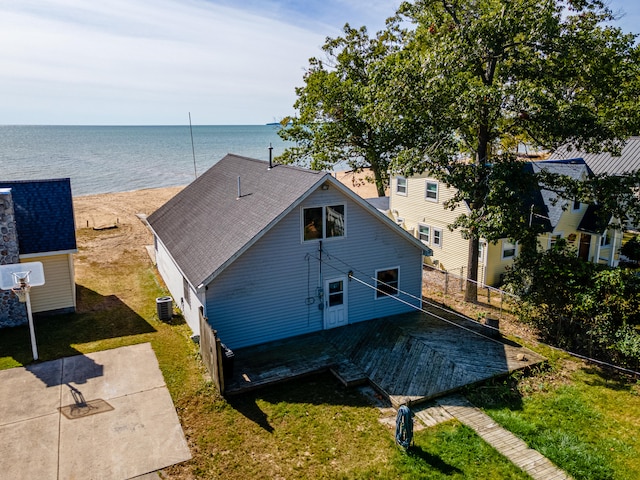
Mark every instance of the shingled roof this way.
pixel 628 161
pixel 206 226
pixel 44 215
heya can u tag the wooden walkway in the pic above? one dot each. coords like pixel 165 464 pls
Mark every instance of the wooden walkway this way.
pixel 409 358
pixel 527 459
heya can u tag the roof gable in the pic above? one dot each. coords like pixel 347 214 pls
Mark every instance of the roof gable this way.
pixel 574 168
pixel 44 215
pixel 208 225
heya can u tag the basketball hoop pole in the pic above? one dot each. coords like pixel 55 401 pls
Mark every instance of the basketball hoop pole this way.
pixel 32 332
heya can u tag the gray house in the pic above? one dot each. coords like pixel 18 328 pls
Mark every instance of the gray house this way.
pixel 271 252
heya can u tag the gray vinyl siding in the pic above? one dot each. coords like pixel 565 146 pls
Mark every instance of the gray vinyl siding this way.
pixel 174 282
pixel 270 292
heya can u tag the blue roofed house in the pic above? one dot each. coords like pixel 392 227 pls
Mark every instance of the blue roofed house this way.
pixel 268 252
pixel 37 224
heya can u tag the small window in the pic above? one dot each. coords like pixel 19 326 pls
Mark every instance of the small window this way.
pixel 387 282
pixel 313 223
pixel 432 191
pixel 335 221
pixel 401 186
pixel 437 237
pixel 605 240
pixel 508 249
pixel 424 233
pixel 482 251
pixel 186 291
pixel 576 205
pixel 323 222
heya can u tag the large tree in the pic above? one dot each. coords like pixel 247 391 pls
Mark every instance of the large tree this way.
pixel 477 77
pixel 332 125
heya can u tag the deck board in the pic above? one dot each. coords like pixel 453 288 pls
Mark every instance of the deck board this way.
pixel 409 358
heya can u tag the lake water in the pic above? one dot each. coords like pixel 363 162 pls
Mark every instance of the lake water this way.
pixel 101 159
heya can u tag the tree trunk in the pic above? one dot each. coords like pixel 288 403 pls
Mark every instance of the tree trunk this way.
pixel 377 175
pixel 471 292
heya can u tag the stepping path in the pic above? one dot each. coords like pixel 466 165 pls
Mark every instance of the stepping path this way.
pixel 529 460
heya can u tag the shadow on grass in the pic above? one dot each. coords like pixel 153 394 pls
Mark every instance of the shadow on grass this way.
pixel 419 454
pixel 317 389
pixel 97 318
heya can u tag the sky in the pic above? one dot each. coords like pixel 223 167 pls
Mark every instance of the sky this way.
pixel 152 62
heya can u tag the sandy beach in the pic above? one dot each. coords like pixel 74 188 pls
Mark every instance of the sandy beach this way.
pixel 115 216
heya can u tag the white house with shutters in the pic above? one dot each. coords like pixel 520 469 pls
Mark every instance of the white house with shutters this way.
pixel 268 252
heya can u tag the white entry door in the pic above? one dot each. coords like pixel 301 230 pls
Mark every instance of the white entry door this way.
pixel 335 302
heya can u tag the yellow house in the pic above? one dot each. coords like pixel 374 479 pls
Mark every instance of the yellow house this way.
pixel 417 204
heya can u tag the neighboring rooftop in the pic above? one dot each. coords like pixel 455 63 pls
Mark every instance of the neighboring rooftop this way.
pixel 628 161
pixel 44 215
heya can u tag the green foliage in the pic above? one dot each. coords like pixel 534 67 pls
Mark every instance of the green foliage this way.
pixel 584 307
pixel 631 249
pixel 334 105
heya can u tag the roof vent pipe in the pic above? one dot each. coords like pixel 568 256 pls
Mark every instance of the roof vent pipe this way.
pixel 239 191
pixel 270 156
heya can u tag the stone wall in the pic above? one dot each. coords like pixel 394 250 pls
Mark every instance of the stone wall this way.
pixel 12 312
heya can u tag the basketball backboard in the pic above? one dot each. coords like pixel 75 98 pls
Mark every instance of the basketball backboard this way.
pixel 33 270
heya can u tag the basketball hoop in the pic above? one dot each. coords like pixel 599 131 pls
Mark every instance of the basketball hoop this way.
pixel 21 287
pixel 21 291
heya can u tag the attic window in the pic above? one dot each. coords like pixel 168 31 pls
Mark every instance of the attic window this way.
pixel 576 205
pixel 401 186
pixel 432 191
pixel 323 222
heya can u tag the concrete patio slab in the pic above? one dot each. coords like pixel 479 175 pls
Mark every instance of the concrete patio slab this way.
pixel 140 434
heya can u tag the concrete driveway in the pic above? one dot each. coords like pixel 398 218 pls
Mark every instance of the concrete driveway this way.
pixel 106 415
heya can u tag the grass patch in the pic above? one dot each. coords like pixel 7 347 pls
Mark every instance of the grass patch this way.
pixel 584 421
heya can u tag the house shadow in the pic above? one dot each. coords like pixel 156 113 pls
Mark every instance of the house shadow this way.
pixel 97 317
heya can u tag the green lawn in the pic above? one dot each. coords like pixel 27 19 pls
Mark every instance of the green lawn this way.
pixel 582 420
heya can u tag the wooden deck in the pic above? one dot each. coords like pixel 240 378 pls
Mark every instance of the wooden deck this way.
pixel 409 358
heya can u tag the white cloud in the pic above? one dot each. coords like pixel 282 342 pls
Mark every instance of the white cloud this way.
pixel 141 61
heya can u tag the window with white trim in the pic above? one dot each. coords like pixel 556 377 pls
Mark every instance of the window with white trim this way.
pixel 319 223
pixel 576 205
pixel 436 239
pixel 401 186
pixel 605 239
pixel 424 233
pixel 482 252
pixel 553 239
pixel 186 291
pixel 431 192
pixel 387 282
pixel 508 249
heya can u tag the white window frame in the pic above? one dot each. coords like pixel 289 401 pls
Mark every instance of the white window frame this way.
pixel 380 295
pixel 426 191
pixel 512 246
pixel 428 227
pixel 440 232
pixel 482 252
pixel 406 185
pixel 324 222
pixel 553 238
pixel 605 239
pixel 186 291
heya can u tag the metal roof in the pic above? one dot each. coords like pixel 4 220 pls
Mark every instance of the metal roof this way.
pixel 628 161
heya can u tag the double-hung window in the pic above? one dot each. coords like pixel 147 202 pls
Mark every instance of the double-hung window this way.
pixel 424 233
pixel 323 222
pixel 387 282
pixel 508 249
pixel 401 186
pixel 436 238
pixel 431 193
